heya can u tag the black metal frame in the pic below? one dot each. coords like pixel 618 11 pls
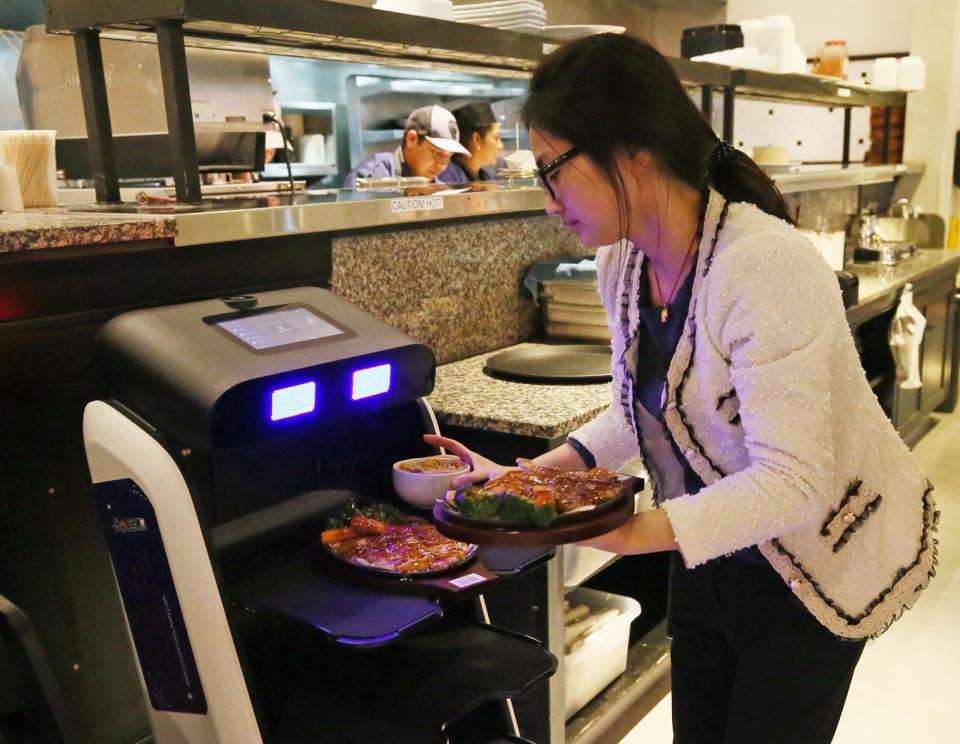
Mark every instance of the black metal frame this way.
pixel 96 115
pixel 176 95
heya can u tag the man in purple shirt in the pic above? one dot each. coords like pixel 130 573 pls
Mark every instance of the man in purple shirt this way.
pixel 430 137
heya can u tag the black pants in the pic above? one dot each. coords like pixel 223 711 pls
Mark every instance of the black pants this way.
pixel 750 663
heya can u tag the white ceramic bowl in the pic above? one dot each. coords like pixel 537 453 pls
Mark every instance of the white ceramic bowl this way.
pixel 424 488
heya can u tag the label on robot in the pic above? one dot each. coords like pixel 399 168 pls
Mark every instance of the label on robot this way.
pixel 468 580
pixel 149 597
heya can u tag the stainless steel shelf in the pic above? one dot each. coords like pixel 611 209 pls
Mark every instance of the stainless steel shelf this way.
pixel 812 177
pixel 786 87
pixel 434 87
pixel 379 136
pixel 300 170
pixel 812 89
pixel 304 26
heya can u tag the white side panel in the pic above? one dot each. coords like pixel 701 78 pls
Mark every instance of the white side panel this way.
pixel 117 448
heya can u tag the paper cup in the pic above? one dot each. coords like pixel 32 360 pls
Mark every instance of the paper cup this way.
pixel 33 152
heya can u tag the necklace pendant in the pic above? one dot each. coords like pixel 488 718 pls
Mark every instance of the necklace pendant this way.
pixel 664 313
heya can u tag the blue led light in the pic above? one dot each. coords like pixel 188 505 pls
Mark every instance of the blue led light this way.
pixel 371 381
pixel 293 401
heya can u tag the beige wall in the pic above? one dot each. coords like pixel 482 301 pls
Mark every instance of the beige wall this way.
pixel 933 114
pixel 868 26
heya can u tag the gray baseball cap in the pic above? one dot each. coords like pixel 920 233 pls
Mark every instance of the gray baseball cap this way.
pixel 438 126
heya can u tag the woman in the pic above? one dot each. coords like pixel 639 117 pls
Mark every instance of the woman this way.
pixel 480 134
pixel 800 523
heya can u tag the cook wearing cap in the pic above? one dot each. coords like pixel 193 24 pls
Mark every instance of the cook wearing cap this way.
pixel 430 138
pixel 480 134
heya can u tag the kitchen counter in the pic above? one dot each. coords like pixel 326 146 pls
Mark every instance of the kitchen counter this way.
pixel 30 231
pixel 233 212
pixel 880 285
pixel 465 396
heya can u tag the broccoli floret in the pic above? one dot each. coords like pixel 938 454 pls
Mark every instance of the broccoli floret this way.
pixel 379 510
pixel 475 503
pixel 516 508
pixel 342 516
pixel 544 514
pixel 382 512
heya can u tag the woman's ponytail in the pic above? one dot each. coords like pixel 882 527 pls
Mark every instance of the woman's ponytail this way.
pixel 739 179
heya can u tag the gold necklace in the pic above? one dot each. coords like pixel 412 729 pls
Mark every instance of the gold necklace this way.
pixel 665 308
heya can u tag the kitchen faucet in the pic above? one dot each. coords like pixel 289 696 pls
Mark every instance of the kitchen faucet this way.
pixel 868 237
pixel 903 209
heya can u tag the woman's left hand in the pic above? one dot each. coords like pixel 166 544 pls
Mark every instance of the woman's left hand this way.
pixel 646 532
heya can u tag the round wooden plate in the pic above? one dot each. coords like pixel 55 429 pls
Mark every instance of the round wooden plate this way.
pixel 455 527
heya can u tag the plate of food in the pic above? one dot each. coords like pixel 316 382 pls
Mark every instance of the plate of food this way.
pixel 538 505
pixel 377 538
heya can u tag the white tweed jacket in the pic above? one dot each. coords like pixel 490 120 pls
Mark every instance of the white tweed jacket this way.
pixel 768 402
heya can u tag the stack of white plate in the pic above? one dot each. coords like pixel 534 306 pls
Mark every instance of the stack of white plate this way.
pixel 442 9
pixel 512 15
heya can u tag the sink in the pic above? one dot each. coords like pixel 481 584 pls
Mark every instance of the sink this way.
pixel 886 252
pixel 923 230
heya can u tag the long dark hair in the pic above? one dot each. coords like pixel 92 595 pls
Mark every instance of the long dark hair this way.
pixel 473 117
pixel 614 93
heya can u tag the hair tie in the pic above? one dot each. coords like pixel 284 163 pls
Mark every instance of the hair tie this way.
pixel 722 152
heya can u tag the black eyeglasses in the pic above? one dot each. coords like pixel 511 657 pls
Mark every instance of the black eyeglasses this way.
pixel 540 174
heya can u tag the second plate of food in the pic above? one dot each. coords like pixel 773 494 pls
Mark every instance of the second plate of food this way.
pixel 402 548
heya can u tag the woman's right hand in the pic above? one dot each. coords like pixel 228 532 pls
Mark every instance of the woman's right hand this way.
pixel 481 468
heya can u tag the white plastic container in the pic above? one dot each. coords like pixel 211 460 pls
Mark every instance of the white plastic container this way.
pixel 911 73
pixel 33 153
pixel 10 200
pixel 751 32
pixel 603 656
pixel 777 37
pixel 581 562
pixel 884 73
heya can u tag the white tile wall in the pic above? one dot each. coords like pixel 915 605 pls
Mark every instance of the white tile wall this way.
pixel 812 133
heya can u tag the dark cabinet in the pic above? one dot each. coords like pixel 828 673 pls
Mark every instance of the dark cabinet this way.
pixel 934 360
pixel 911 408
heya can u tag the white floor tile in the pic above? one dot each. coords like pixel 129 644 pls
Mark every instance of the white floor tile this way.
pixel 907 685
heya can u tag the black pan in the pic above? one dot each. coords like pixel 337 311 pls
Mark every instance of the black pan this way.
pixel 566 363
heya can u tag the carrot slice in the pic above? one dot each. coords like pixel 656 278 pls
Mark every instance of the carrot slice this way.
pixel 338 534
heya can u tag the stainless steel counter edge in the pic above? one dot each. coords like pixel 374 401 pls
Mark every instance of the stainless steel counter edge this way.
pixel 880 285
pixel 809 178
pixel 288 219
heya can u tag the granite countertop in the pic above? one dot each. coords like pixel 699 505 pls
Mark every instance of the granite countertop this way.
pixel 29 231
pixel 465 396
pixel 877 280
